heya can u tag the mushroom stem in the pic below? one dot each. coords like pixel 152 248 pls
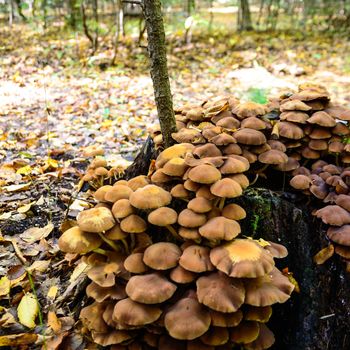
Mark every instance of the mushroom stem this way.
pixel 255 180
pixel 222 203
pixel 260 171
pixel 132 241
pixel 125 243
pixel 109 242
pixel 100 251
pixel 173 232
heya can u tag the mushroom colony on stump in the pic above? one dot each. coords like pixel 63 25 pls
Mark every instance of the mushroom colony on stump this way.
pixel 169 265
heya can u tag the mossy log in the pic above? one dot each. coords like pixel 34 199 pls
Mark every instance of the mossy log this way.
pixel 317 318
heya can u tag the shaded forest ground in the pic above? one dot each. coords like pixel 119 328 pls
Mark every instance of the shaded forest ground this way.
pixel 56 102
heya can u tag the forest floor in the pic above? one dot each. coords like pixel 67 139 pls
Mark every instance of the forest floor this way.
pixel 56 102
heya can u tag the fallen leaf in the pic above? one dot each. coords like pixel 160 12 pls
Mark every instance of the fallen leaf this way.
pixel 25 208
pixel 5 286
pixel 18 339
pixel 54 322
pixel 39 265
pixel 79 269
pixel 20 187
pixel 51 294
pixel 34 234
pixel 27 310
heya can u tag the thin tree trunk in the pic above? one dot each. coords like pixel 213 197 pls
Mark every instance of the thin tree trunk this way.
pixel 244 17
pixel 85 25
pixel 11 12
pixel 159 70
pixel 95 14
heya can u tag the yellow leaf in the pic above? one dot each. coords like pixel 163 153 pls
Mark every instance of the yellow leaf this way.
pixel 79 269
pixel 25 208
pixel 14 188
pixel 27 310
pixel 54 322
pixel 51 294
pixel 25 170
pixel 18 339
pixel 5 286
pixel 52 163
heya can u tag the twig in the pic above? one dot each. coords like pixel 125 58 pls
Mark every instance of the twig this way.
pixel 18 252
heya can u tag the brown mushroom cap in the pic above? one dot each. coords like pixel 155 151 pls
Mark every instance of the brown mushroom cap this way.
pixel 256 313
pixel 122 208
pixel 134 314
pixel 273 156
pixel 133 224
pixel 294 105
pixel 101 192
pixel 150 197
pixel 215 336
pixel 91 316
pixel 138 182
pixel 207 150
pixel 204 174
pixel 226 188
pixel 162 256
pixel 249 109
pixel 264 340
pixel 246 332
pixel 162 216
pixel 188 135
pixel 252 137
pixel 200 205
pixel 115 233
pixel 117 292
pixel 219 228
pixel 333 215
pixel 269 289
pixel 234 212
pixel 253 123
pixel 242 258
pixel 152 288
pixel 322 118
pixel 220 292
pixel 76 241
pixel 134 263
pixel 182 276
pixel 95 220
pixel 189 218
pixel 300 182
pixel 111 338
pixel 118 192
pixel 221 319
pixel 340 235
pixel 241 179
pixel 175 167
pixel 276 250
pixel 195 258
pixel 179 191
pixel 234 164
pixel 294 116
pixel 195 319
pixel 343 201
pixel 290 131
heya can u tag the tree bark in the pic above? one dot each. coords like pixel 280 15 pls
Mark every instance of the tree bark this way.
pixel 159 71
pixel 244 17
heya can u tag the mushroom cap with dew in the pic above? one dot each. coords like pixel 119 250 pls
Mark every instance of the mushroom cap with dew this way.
pixel 163 216
pixel 76 241
pixel 133 224
pixel 196 258
pixel 264 340
pixel 135 314
pixel 246 332
pixel 219 228
pixel 333 215
pixel 234 212
pixel 269 289
pixel 152 288
pixel 273 156
pixel 189 218
pixel 195 319
pixel 252 137
pixel 122 208
pixel 134 263
pixel 204 174
pixel 95 220
pixel 150 197
pixel 162 256
pixel 242 258
pixel 226 188
pixel 220 292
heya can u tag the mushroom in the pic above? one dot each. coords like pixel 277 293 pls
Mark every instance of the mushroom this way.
pixel 122 208
pixel 133 224
pixel 96 220
pixel 200 205
pixel 189 218
pixel 215 336
pixel 221 319
pixel 162 256
pixel 258 313
pixel 242 258
pixel 220 292
pixel 244 333
pixel 150 197
pixel 134 263
pixel 100 294
pixel 195 319
pixel 252 137
pixel 204 174
pixel 220 228
pixel 195 258
pixel 333 215
pixel 234 212
pixel 182 276
pixel 138 182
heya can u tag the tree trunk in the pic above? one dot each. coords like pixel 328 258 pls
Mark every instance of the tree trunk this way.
pixel 73 13
pixel 95 15
pixel 244 17
pixel 159 71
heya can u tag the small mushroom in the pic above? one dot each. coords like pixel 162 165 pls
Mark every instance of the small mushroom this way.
pixel 162 256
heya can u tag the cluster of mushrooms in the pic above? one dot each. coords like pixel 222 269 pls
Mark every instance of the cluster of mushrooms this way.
pixel 169 266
